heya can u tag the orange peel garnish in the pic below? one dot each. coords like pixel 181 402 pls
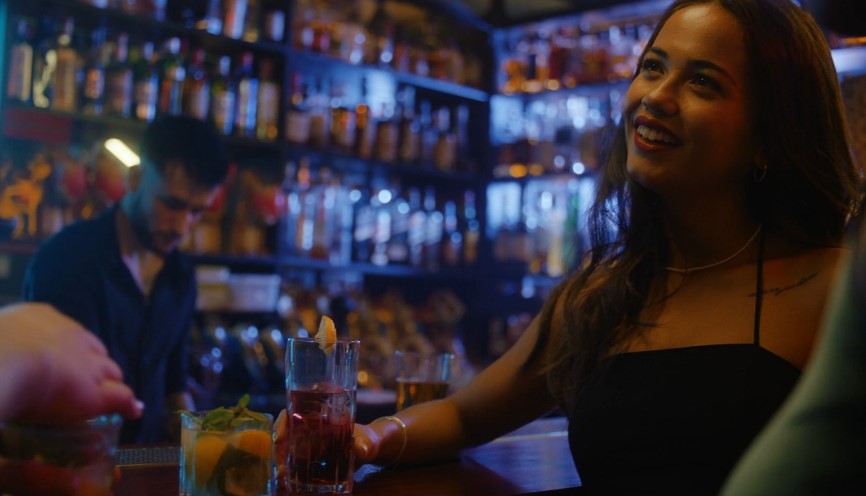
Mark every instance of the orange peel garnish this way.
pixel 326 335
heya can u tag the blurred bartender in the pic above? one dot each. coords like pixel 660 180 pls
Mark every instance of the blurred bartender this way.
pixel 121 276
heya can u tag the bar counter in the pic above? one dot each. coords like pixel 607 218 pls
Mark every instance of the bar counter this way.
pixel 531 460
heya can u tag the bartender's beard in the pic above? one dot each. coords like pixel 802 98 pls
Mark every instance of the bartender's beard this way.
pixel 145 235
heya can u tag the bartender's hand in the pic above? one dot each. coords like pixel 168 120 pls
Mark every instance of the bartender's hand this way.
pixel 52 369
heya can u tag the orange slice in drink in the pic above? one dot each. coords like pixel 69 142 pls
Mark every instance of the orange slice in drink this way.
pixel 257 443
pixel 207 452
pixel 326 335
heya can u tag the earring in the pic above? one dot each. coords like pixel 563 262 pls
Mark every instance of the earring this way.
pixel 760 170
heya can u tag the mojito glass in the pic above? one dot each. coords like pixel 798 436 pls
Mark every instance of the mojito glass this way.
pixel 321 388
pixel 236 460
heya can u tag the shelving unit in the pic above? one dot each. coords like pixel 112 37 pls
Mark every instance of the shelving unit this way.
pixel 266 156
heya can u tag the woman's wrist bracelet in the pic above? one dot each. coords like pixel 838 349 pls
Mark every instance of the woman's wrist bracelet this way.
pixel 402 426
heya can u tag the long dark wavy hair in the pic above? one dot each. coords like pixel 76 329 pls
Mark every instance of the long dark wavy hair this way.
pixel 809 190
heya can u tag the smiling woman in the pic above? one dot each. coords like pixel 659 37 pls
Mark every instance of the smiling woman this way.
pixel 729 166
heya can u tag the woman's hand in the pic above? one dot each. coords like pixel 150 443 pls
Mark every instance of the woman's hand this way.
pixel 367 442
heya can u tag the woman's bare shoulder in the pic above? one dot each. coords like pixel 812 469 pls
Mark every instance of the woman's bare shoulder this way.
pixel 795 293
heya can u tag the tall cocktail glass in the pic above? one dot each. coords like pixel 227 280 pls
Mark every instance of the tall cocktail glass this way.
pixel 235 460
pixel 320 391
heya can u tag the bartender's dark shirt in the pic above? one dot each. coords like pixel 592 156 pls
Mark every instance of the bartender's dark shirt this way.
pixel 80 271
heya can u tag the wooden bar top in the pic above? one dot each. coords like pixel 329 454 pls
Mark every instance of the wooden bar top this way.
pixel 532 460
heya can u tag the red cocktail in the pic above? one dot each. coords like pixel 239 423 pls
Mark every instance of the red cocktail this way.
pixel 321 416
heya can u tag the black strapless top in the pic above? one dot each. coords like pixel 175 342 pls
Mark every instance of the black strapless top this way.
pixel 674 421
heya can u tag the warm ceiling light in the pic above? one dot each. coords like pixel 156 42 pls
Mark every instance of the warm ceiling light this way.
pixel 122 152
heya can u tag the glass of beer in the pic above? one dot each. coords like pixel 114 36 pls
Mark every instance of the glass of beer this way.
pixel 421 377
pixel 79 455
pixel 321 388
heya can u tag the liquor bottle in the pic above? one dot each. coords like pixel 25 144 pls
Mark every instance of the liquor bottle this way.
pixel 402 50
pixel 380 39
pixel 462 153
pixel 235 15
pixel 267 116
pixel 433 234
pixel 302 24
pixel 364 226
pixel 429 134
pixel 323 201
pixel 452 239
pixel 471 228
pixel 319 115
pixel 45 63
pixel 145 84
pixel 342 212
pixel 305 223
pixel 342 136
pixel 196 87
pixel 119 80
pixel 248 91
pixel 171 79
pixel 212 21
pixel 252 22
pixel 408 138
pixel 417 237
pixel 385 149
pixel 223 98
pixel 289 218
pixel 67 70
pixel 445 147
pixel 297 114
pixel 93 90
pixel 19 83
pixel 364 127
pixel 398 244
pixel 352 34
pixel 381 226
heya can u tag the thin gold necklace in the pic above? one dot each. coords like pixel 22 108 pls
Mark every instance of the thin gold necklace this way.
pixel 720 262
